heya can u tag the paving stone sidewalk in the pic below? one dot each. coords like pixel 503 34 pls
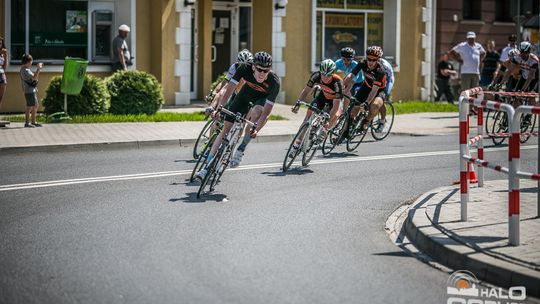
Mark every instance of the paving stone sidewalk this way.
pixel 480 244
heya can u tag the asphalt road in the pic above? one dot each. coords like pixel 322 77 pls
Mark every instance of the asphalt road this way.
pixel 87 227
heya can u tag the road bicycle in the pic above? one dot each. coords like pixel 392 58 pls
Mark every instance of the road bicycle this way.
pixel 311 135
pixel 345 121
pixel 221 160
pixel 499 126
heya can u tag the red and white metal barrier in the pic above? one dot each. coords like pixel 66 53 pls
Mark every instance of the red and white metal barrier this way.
pixel 514 123
pixel 515 173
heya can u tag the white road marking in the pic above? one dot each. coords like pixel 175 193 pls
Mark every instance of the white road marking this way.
pixel 57 183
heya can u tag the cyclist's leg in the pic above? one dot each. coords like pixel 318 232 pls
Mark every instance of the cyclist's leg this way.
pixel 376 105
pixel 334 112
pixel 253 115
pixel 361 96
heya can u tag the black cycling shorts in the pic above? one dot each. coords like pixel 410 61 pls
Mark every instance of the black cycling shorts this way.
pixel 364 91
pixel 320 103
pixel 241 105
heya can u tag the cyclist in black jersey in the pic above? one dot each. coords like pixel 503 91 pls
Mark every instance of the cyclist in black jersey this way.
pixel 331 94
pixel 261 84
pixel 372 90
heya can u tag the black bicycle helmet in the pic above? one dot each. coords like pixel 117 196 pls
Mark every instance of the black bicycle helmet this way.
pixel 263 59
pixel 375 51
pixel 347 52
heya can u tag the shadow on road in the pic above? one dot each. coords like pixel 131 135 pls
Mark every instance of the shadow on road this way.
pixel 189 161
pixel 192 198
pixel 394 253
pixel 293 171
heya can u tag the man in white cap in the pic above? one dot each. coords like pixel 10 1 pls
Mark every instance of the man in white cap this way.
pixel 121 55
pixel 469 54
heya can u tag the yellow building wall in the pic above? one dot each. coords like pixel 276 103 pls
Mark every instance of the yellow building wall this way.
pixel 169 51
pixel 144 35
pixel 409 79
pixel 262 25
pixel 204 65
pixel 297 53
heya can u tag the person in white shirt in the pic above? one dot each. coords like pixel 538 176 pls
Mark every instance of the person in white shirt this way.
pixel 469 54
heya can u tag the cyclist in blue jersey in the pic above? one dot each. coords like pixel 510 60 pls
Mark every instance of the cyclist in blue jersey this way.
pixel 345 65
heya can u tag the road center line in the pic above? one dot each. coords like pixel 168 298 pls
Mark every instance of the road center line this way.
pixel 64 182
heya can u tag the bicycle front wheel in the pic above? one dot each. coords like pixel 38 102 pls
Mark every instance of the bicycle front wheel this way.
pixel 334 135
pixel 313 145
pixel 202 139
pixel 210 171
pixel 499 126
pixel 356 134
pixel 291 152
pixel 388 122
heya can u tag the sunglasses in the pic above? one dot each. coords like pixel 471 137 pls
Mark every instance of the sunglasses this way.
pixel 371 59
pixel 262 70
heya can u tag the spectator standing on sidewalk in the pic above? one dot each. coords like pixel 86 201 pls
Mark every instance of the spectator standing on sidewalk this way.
pixel 444 70
pixel 4 58
pixel 121 54
pixel 490 65
pixel 29 81
pixel 469 54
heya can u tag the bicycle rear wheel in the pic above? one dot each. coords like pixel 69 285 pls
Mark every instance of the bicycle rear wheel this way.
pixel 287 162
pixel 356 135
pixel 334 135
pixel 202 139
pixel 499 126
pixel 387 125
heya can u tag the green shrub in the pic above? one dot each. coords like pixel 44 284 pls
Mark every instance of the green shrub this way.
pixel 217 81
pixel 93 99
pixel 134 92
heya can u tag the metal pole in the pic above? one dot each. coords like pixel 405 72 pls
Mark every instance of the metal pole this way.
pixel 538 170
pixel 65 104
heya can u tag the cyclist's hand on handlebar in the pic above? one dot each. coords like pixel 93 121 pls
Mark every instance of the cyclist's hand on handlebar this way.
pixel 296 107
pixel 253 132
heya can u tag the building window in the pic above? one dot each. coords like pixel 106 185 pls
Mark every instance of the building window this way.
pixel 49 30
pixel 472 10
pixel 506 11
pixel 346 23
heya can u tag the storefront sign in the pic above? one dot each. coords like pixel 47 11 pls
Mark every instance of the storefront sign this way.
pixel 343 30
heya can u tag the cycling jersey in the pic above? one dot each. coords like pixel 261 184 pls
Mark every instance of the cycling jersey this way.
pixel 331 90
pixel 232 70
pixel 340 65
pixel 377 76
pixel 525 65
pixel 252 91
pixel 505 53
pixel 387 67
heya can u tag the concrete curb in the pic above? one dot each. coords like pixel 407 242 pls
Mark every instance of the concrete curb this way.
pixel 134 144
pixel 98 146
pixel 456 255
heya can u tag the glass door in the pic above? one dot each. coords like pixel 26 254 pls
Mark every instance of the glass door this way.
pixel 221 39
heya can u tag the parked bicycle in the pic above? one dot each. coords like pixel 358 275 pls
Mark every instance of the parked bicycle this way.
pixel 221 160
pixel 311 134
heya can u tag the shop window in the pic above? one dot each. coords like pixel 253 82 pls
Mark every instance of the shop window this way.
pixel 56 29
pixel 346 23
pixel 472 9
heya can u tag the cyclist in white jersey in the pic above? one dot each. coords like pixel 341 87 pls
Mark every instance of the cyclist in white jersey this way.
pixel 528 64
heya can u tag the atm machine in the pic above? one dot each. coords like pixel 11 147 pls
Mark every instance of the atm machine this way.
pixel 103 34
